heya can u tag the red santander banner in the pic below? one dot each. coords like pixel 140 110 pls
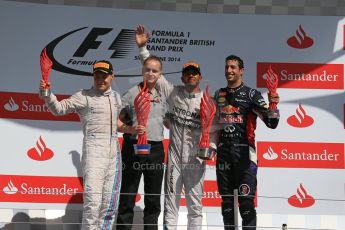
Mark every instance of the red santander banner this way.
pixel 40 189
pixel 301 155
pixel 302 75
pixel 210 197
pixel 14 105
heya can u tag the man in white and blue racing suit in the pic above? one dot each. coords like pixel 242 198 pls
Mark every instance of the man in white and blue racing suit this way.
pixel 98 109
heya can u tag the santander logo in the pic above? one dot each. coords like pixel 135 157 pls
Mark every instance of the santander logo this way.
pixel 270 154
pixel 41 189
pixel 302 75
pixel 10 188
pixel 29 106
pixel 11 105
pixel 40 152
pixel 301 155
pixel 301 199
pixel 300 119
pixel 300 40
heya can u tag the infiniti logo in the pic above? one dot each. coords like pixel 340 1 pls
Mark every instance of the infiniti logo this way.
pixel 229 128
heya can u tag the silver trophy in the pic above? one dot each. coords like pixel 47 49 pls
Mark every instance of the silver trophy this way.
pixel 44 93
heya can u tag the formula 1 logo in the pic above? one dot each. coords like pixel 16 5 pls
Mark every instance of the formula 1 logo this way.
pixel 300 119
pixel 300 40
pixel 40 152
pixel 121 46
pixel 301 199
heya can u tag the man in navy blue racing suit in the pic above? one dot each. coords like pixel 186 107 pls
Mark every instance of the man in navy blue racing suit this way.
pixel 238 107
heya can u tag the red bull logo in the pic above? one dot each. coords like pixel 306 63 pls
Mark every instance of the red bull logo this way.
pixel 229 109
pixel 230 114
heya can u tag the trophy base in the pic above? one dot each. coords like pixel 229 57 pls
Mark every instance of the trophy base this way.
pixel 44 93
pixel 205 153
pixel 142 149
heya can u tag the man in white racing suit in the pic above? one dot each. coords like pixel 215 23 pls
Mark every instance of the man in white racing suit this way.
pixel 98 109
pixel 184 169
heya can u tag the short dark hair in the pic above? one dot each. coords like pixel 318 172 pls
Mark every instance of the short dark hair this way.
pixel 153 58
pixel 235 58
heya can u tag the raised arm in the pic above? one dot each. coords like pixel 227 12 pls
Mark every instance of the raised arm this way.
pixel 141 38
pixel 58 108
pixel 270 116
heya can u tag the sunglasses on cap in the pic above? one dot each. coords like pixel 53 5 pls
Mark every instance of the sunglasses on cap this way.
pixel 100 74
pixel 191 70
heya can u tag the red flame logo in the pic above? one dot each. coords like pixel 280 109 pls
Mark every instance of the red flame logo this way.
pixel 270 75
pixel 301 199
pixel 270 154
pixel 300 119
pixel 11 105
pixel 40 152
pixel 10 188
pixel 300 40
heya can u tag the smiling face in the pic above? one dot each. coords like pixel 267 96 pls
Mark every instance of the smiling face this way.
pixel 191 77
pixel 233 73
pixel 102 81
pixel 151 71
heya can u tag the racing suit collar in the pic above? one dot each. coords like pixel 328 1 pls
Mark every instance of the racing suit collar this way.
pixel 105 93
pixel 191 95
pixel 231 90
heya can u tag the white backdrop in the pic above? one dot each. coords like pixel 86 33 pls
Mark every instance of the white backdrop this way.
pixel 302 158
